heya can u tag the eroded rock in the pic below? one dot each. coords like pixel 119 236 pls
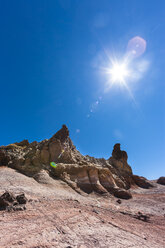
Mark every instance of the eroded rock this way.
pixel 119 160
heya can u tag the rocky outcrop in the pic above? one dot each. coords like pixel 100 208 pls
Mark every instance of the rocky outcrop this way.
pixel 142 182
pixel 161 180
pixel 82 173
pixel 119 159
pixel 62 134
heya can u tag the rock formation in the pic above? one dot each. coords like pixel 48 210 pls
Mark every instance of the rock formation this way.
pixel 82 173
pixel 161 180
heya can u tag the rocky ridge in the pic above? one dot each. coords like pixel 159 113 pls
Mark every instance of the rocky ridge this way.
pixel 84 174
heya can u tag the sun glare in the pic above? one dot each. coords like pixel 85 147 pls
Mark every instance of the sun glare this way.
pixel 119 72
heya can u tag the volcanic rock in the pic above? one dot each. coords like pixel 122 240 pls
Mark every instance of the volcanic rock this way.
pixel 119 201
pixel 161 180
pixel 9 202
pixel 5 200
pixel 123 194
pixel 8 197
pixel 21 199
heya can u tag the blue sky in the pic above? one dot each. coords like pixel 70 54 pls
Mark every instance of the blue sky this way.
pixel 51 59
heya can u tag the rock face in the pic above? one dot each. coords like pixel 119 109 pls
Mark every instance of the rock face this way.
pixel 82 173
pixel 161 180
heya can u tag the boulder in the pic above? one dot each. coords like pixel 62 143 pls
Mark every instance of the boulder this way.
pixel 21 199
pixel 3 203
pixel 8 197
pixel 123 194
pixel 5 200
pixel 9 202
pixel 161 180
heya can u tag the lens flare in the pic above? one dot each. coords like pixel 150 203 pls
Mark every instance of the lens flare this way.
pixel 136 46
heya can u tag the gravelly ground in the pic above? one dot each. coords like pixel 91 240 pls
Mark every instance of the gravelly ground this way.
pixel 56 216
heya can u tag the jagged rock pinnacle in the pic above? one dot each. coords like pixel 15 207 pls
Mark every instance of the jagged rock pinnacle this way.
pixel 118 154
pixel 62 134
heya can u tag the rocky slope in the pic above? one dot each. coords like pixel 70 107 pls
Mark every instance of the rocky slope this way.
pixel 84 174
pixel 57 216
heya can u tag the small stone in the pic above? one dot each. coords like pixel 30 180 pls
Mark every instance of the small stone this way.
pixel 15 203
pixel 95 211
pixel 20 243
pixel 118 201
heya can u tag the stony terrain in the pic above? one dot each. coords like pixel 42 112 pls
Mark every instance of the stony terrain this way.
pixel 83 202
pixel 57 216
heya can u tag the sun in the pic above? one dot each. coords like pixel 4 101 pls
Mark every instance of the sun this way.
pixel 119 72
